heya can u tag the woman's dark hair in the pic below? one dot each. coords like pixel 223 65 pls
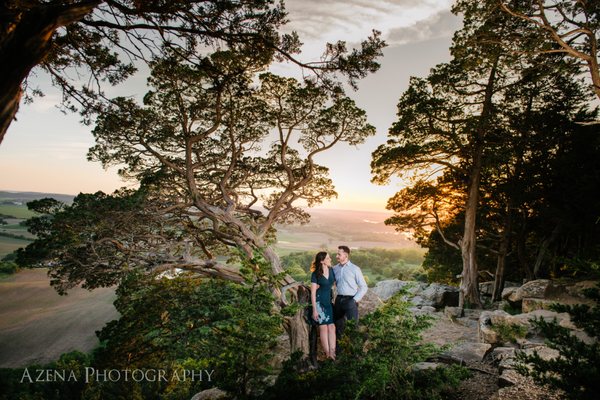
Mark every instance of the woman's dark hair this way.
pixel 317 264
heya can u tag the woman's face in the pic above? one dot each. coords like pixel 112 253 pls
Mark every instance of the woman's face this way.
pixel 327 261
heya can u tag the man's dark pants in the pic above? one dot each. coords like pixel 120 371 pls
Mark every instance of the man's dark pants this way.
pixel 345 308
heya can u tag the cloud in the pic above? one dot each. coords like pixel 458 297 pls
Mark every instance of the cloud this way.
pixel 46 104
pixel 443 24
pixel 321 21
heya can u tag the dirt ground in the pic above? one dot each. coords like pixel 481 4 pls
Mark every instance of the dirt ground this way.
pixel 37 324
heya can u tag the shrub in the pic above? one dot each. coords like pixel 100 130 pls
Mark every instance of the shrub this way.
pixel 8 267
pixel 227 327
pixel 509 332
pixel 17 383
pixel 577 369
pixel 375 362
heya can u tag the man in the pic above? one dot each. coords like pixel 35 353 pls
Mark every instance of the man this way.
pixel 351 287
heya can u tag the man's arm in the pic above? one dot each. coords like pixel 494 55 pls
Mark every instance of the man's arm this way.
pixel 362 285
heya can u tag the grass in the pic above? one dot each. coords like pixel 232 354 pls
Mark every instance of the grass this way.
pixel 8 245
pixel 21 212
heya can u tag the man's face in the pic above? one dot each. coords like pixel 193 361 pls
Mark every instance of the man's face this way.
pixel 342 256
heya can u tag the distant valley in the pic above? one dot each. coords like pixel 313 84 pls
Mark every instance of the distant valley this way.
pixel 327 228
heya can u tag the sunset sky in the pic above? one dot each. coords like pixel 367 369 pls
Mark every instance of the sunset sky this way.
pixel 45 150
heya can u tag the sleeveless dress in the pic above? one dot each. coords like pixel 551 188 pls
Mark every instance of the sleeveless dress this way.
pixel 324 306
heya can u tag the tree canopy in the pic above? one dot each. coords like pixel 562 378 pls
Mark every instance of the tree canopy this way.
pixel 571 28
pixel 470 139
pixel 86 45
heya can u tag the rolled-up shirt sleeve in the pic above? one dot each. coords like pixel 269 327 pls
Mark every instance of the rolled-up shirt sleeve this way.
pixel 362 285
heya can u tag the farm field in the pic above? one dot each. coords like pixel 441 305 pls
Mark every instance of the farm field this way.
pixel 37 324
pixel 8 245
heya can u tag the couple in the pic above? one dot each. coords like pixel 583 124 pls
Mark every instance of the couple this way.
pixel 351 287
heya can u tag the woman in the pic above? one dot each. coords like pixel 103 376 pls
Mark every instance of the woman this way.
pixel 322 281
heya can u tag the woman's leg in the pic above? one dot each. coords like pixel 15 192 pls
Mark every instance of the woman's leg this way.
pixel 323 334
pixel 331 336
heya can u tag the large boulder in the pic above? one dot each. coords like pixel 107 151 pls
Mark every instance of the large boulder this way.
pixel 538 289
pixel 508 291
pixel 467 352
pixel 500 354
pixel 546 315
pixel 386 289
pixel 369 303
pixel 544 352
pixel 439 296
pixel 485 331
pixel 529 304
pixel 419 301
pixel 508 377
pixel 490 321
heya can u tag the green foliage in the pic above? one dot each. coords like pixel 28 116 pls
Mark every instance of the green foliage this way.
pixel 581 267
pixel 381 263
pixel 87 47
pixel 166 323
pixel 16 383
pixel 577 368
pixel 8 267
pixel 375 362
pixel 510 309
pixel 509 332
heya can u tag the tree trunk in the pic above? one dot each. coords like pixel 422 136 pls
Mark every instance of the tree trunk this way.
pixel 522 248
pixel 298 330
pixel 469 284
pixel 543 248
pixel 25 42
pixel 296 326
pixel 500 266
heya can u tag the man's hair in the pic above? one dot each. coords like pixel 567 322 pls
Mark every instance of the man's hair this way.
pixel 345 248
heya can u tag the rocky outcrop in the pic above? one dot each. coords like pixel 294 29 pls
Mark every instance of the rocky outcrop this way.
pixel 508 291
pixel 369 303
pixel 419 294
pixel 211 394
pixel 439 296
pixel 386 289
pixel 531 304
pixel 467 352
pixel 538 289
pixel 487 288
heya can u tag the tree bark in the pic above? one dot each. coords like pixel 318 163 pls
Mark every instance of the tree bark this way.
pixel 296 326
pixel 543 249
pixel 26 40
pixel 298 330
pixel 501 263
pixel 469 284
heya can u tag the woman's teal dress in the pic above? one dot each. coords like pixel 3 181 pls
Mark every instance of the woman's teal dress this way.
pixel 324 306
